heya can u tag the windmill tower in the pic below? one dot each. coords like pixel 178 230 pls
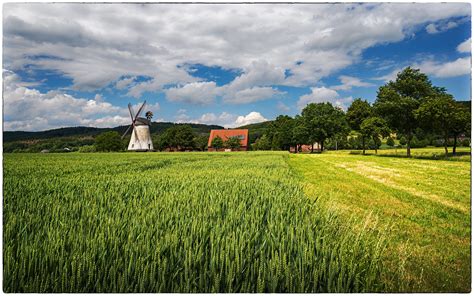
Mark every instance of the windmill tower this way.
pixel 141 138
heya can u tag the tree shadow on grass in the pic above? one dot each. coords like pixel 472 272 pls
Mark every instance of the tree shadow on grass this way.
pixel 429 156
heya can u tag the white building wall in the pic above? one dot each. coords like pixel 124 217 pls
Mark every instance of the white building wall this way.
pixel 141 139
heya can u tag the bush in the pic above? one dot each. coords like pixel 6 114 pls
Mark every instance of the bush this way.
pixel 403 141
pixel 109 141
pixel 466 142
pixel 87 149
pixel 416 143
pixel 390 142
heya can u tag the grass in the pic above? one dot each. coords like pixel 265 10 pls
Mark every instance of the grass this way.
pixel 426 202
pixel 180 222
pixel 434 153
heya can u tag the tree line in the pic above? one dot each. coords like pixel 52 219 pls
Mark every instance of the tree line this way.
pixel 410 106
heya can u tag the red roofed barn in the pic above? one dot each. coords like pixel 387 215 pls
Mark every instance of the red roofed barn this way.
pixel 225 134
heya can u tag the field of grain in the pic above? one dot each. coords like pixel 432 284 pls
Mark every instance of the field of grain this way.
pixel 426 202
pixel 184 222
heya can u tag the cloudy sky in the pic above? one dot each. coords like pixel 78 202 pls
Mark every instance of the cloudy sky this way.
pixel 81 64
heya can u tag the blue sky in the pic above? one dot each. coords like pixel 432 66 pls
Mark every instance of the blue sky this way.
pixel 81 64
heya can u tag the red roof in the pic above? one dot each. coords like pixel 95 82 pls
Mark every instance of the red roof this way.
pixel 225 134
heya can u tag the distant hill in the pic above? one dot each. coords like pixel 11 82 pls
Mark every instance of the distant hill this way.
pixel 82 131
pixel 256 130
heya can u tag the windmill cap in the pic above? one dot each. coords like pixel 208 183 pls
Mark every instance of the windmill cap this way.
pixel 142 121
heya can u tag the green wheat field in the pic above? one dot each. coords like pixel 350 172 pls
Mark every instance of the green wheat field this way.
pixel 236 222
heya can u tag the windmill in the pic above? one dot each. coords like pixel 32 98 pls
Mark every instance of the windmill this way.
pixel 141 139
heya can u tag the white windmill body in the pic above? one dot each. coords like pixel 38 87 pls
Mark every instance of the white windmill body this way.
pixel 141 138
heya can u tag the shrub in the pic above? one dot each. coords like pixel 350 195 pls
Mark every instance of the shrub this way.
pixel 87 149
pixel 109 141
pixel 403 141
pixel 466 142
pixel 390 142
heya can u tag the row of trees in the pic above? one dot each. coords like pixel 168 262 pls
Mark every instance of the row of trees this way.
pixel 175 138
pixel 406 106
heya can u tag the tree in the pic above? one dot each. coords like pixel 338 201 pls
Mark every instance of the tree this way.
pixel 357 112
pixel 200 142
pixel 442 114
pixel 167 139
pixel 149 115
pixel 374 128
pixel 263 143
pixel 109 141
pixel 390 142
pixel 300 135
pixel 217 143
pixel 323 121
pixel 281 132
pixel 397 101
pixel 184 137
pixel 461 124
pixel 232 143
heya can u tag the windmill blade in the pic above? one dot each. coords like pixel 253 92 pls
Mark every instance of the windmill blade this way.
pixel 140 110
pixel 132 116
pixel 125 133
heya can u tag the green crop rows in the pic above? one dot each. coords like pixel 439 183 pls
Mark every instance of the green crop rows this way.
pixel 194 222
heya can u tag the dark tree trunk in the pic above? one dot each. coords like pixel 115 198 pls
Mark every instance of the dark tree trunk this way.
pixel 409 144
pixel 312 147
pixel 454 144
pixel 322 146
pixel 363 145
pixel 446 137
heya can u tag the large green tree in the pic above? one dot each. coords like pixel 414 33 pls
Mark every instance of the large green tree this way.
pixel 461 124
pixel 397 101
pixel 300 133
pixel 200 142
pixel 443 115
pixel 109 141
pixel 281 132
pixel 374 128
pixel 184 137
pixel 323 121
pixel 357 112
pixel 262 143
pixel 180 136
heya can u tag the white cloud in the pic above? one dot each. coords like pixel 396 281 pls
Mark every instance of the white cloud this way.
pixel 318 95
pixel 121 84
pixel 442 27
pixel 252 117
pixel 85 41
pixel 225 119
pixel 321 95
pixel 250 95
pixel 431 29
pixel 465 46
pixel 461 66
pixel 282 107
pixel 195 92
pixel 348 82
pixel 31 110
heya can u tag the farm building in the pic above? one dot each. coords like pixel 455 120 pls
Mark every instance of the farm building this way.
pixel 225 134
pixel 306 148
